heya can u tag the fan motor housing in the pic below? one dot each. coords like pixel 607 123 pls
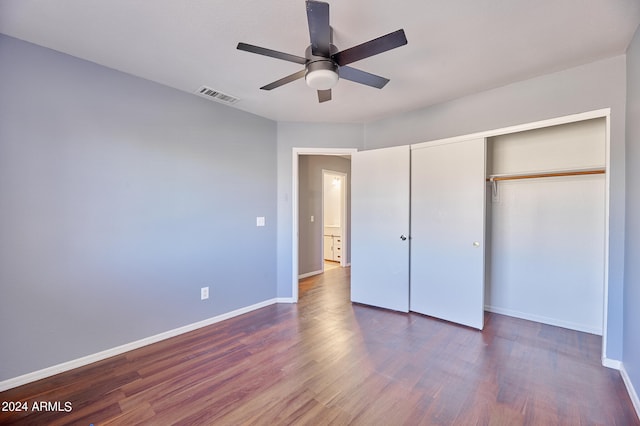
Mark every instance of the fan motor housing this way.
pixel 311 57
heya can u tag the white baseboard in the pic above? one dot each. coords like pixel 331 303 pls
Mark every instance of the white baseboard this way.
pixel 286 300
pixel 611 363
pixel 70 365
pixel 544 320
pixel 630 389
pixel 310 274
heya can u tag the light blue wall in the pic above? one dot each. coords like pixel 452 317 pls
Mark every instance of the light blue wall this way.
pixel 631 357
pixel 594 86
pixel 119 199
pixel 302 135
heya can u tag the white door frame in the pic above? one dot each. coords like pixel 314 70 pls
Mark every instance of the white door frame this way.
pixel 343 215
pixel 296 152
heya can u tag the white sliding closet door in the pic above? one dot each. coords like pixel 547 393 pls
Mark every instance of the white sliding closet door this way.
pixel 447 231
pixel 380 227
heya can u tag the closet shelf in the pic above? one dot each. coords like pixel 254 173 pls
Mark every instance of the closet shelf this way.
pixel 497 178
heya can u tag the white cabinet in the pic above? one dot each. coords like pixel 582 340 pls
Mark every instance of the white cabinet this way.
pixel 333 248
pixel 328 247
pixel 337 248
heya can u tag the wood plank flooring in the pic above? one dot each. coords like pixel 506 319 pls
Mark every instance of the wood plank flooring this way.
pixel 326 361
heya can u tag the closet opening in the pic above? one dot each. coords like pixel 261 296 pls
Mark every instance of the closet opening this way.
pixel 546 225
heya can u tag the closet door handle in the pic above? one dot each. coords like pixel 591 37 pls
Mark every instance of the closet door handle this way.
pixel 403 237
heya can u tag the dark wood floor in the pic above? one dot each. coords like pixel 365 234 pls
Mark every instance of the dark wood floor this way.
pixel 326 361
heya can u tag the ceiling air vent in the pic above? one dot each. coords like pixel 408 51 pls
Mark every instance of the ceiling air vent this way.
pixel 214 95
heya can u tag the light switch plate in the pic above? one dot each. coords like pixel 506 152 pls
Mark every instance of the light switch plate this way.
pixel 260 221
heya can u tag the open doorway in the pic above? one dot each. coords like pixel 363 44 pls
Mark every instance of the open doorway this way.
pixel 323 218
pixel 308 218
pixel 334 214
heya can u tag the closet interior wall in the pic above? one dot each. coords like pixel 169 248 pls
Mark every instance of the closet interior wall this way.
pixel 546 235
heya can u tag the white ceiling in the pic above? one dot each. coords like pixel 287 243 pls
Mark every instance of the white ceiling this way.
pixel 455 47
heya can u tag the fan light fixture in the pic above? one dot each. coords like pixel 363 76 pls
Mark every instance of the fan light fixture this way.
pixel 321 75
pixel 321 79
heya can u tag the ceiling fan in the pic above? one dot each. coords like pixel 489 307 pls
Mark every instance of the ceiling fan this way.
pixel 323 63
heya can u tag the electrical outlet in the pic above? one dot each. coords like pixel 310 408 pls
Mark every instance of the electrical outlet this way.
pixel 204 293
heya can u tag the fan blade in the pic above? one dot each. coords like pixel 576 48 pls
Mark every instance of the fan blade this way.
pixel 324 95
pixel 272 53
pixel 319 28
pixel 283 81
pixel 370 48
pixel 362 77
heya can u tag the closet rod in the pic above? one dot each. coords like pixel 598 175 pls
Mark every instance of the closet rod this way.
pixel 547 174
